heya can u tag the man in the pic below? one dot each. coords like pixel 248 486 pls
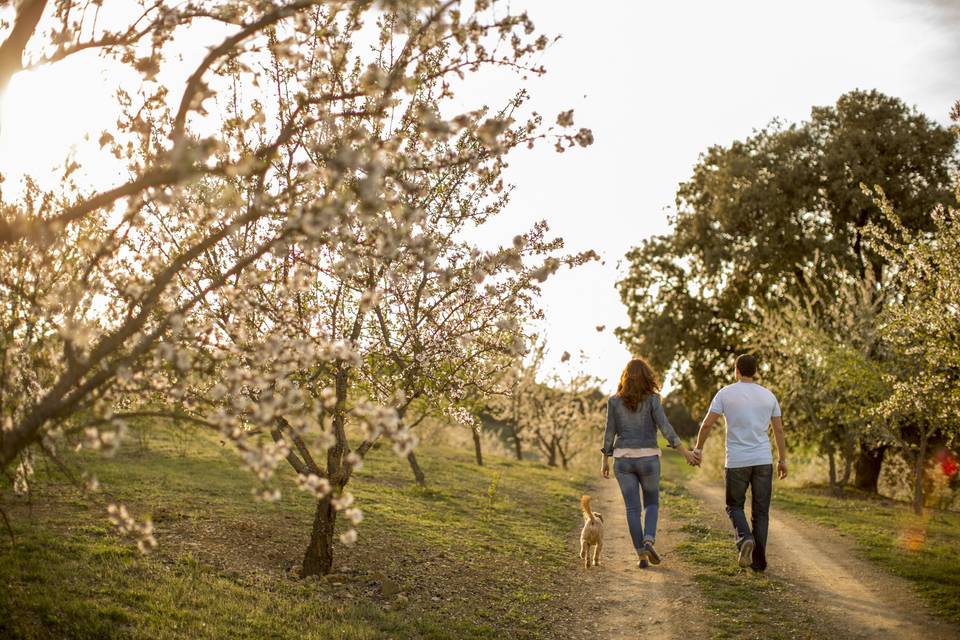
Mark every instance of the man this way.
pixel 749 409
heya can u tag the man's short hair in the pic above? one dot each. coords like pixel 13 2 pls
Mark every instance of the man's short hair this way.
pixel 747 365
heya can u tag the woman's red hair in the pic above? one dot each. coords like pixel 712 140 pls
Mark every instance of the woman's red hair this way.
pixel 637 381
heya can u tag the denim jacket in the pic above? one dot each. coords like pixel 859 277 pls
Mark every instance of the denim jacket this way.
pixel 636 429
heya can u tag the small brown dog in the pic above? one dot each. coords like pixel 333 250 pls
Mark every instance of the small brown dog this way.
pixel 592 533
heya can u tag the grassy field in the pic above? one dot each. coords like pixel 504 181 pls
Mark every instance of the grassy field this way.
pixel 923 549
pixel 466 557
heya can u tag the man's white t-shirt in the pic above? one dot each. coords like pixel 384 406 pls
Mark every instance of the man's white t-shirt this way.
pixel 748 408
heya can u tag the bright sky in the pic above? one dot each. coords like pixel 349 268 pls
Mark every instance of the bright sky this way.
pixel 658 82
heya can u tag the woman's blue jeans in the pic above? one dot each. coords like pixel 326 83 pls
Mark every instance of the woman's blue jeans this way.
pixel 640 477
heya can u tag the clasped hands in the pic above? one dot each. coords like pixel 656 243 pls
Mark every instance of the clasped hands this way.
pixel 693 458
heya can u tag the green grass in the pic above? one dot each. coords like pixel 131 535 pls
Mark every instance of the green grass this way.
pixel 470 557
pixel 746 604
pixel 923 549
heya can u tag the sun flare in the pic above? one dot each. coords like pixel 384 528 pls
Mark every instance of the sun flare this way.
pixel 50 113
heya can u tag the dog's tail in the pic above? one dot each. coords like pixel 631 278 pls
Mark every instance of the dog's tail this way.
pixel 585 507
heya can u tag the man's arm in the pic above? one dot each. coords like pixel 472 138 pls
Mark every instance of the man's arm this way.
pixel 781 440
pixel 708 421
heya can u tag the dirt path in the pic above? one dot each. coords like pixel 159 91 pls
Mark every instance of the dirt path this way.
pixel 853 597
pixel 620 601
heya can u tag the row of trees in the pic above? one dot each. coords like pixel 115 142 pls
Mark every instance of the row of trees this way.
pixel 287 261
pixel 556 415
pixel 884 364
pixel 826 248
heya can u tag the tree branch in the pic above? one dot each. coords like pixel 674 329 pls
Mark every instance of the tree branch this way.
pixel 22 228
pixel 11 51
pixel 195 81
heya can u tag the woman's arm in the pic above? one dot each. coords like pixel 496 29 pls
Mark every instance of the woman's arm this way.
pixel 660 417
pixel 608 435
pixel 611 431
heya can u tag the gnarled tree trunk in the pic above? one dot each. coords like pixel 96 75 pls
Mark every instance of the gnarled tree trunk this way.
pixel 516 443
pixel 564 459
pixel 318 558
pixel 867 468
pixel 848 448
pixel 832 463
pixel 417 471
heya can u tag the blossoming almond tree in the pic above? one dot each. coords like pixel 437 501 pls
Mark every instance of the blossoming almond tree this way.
pixel 296 340
pixel 881 362
pixel 511 404
pixel 826 364
pixel 234 189
pixel 449 336
pixel 921 325
pixel 571 411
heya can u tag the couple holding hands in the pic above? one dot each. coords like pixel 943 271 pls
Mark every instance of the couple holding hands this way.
pixel 635 413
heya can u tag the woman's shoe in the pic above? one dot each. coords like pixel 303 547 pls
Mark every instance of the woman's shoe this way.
pixel 642 559
pixel 651 553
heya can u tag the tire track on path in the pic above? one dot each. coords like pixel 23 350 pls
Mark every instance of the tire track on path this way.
pixel 855 598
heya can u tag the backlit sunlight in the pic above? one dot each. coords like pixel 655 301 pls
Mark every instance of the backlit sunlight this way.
pixel 47 114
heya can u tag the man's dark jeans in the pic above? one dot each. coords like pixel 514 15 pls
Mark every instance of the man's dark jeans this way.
pixel 760 480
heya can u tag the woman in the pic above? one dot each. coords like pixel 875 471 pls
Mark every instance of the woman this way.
pixel 633 416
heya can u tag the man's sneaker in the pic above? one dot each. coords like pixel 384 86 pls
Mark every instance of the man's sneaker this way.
pixel 651 553
pixel 746 553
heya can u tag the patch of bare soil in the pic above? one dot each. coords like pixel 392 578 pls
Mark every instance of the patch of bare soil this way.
pixel 618 600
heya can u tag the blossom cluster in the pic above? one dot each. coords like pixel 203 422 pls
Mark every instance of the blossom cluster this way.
pixel 126 525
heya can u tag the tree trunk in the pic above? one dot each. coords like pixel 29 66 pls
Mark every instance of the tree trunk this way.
pixel 832 461
pixel 918 468
pixel 564 459
pixel 847 472
pixel 552 455
pixel 476 446
pixel 516 443
pixel 868 465
pixel 849 444
pixel 318 559
pixel 417 471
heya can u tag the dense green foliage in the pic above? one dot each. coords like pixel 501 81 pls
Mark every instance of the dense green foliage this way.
pixel 778 249
pixel 760 218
